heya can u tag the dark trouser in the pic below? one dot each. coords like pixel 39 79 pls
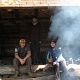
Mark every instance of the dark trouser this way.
pixel 56 70
pixel 61 65
pixel 16 64
pixel 35 50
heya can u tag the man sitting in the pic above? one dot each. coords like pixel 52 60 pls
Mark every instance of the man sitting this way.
pixel 54 56
pixel 22 56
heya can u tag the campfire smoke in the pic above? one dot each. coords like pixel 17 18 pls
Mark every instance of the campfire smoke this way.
pixel 65 24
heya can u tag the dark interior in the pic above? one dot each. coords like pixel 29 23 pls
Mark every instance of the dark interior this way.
pixel 14 26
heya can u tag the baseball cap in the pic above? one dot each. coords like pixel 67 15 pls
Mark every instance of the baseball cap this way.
pixel 22 41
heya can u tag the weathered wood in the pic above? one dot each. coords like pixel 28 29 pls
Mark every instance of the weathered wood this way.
pixel 10 51
pixel 14 45
pixel 12 33
pixel 45 77
pixel 9 69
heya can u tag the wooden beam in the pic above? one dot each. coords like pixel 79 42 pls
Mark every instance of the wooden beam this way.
pixel 9 69
pixel 43 77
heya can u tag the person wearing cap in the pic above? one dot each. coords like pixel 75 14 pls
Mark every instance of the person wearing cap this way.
pixel 22 56
pixel 54 57
pixel 34 39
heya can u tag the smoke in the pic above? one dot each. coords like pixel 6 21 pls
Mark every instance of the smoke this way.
pixel 65 24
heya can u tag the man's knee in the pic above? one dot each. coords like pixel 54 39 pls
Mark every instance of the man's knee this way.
pixel 57 64
pixel 15 61
pixel 29 59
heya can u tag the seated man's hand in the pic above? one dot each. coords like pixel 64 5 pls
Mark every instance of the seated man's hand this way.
pixel 54 63
pixel 22 61
pixel 46 65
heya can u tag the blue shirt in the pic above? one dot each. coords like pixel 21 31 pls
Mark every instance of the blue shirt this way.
pixel 54 53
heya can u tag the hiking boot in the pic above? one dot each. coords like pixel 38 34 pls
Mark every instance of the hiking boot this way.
pixel 16 74
pixel 29 73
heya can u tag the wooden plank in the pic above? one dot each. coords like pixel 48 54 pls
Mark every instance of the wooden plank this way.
pixel 13 40
pixel 43 49
pixel 26 0
pixel 16 39
pixel 28 4
pixel 43 77
pixel 11 45
pixel 44 45
pixel 10 51
pixel 40 0
pixel 15 36
pixel 52 1
pixel 41 4
pixel 9 69
pixel 14 45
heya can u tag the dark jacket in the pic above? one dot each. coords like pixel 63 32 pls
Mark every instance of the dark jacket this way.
pixel 34 32
pixel 54 53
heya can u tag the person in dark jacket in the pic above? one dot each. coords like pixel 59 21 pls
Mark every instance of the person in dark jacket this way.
pixel 56 55
pixel 34 39
pixel 22 56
